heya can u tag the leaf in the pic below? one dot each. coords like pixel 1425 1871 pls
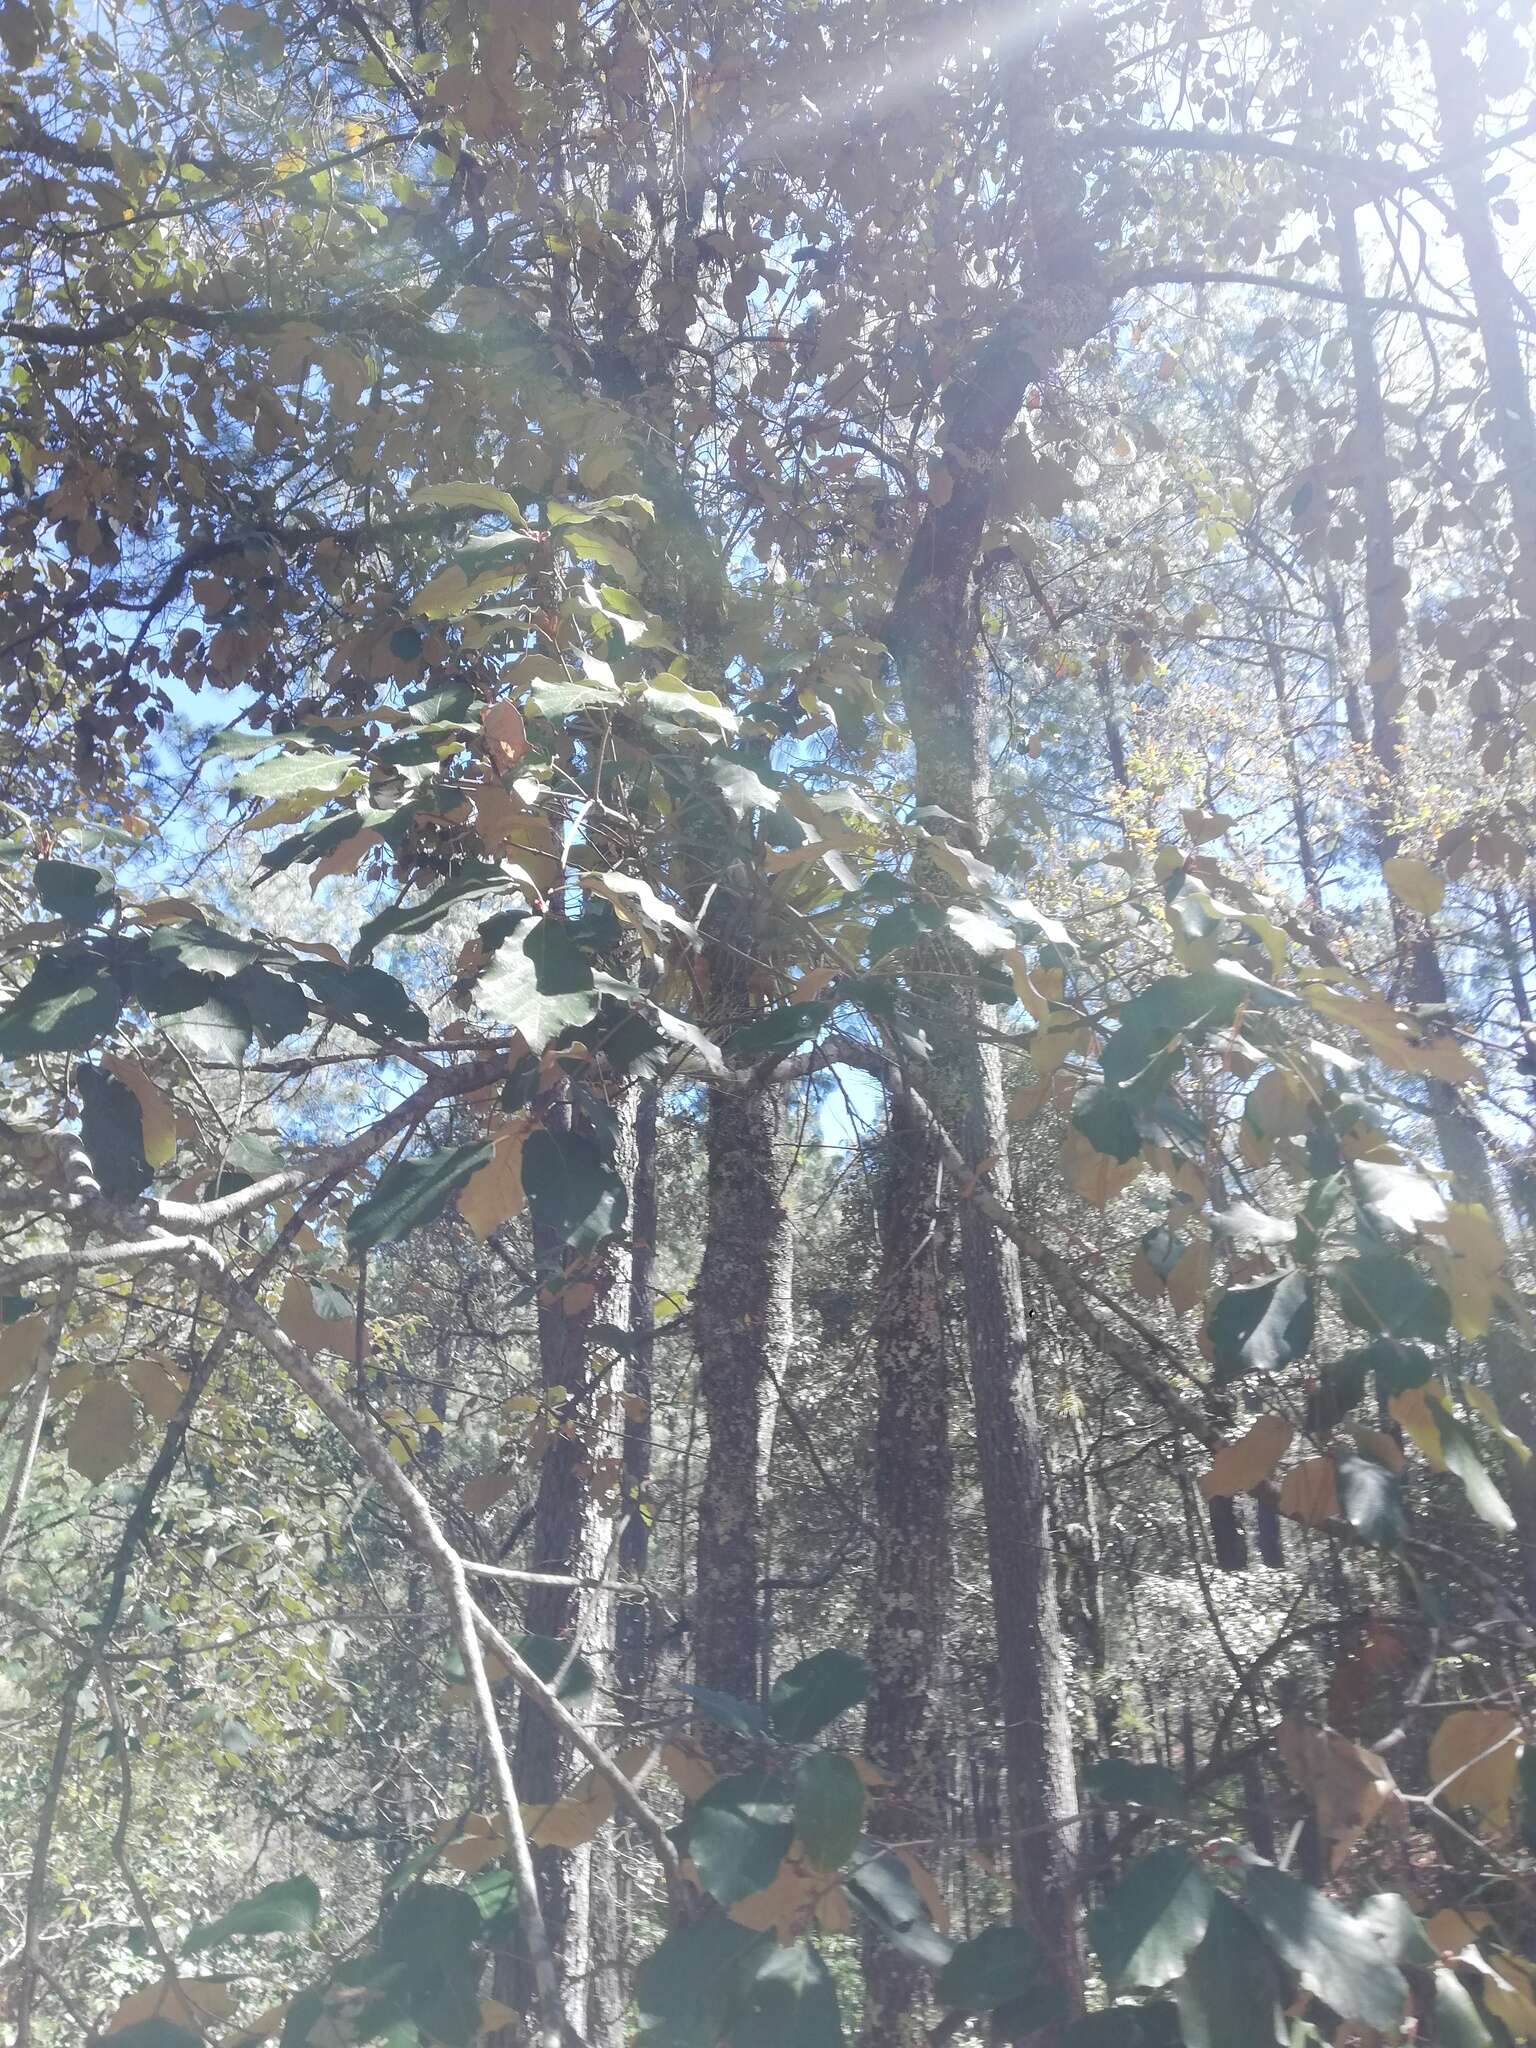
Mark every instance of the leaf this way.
pixel 1385 1293
pixel 157 1117
pixel 809 1696
pixel 506 736
pixel 1229 1994
pixel 539 984
pixel 405 920
pixel 154 2034
pixel 1456 2021
pixel 305 774
pixel 470 498
pixel 574 1820
pixel 290 1906
pixel 1310 1493
pixel 79 895
pixel 1260 1329
pixel 738 1834
pixel 366 995
pixel 1398 1197
pixel 20 1343
pixel 685 1991
pixel 1240 1466
pixel 787 1997
pixel 1337 1959
pixel 1370 1498
pixel 1106 1117
pixel 997 1967
pixel 1458 1452
pixel 1414 883
pixel 112 1132
pixel 829 1804
pixel 882 1885
pixel 1117 1781
pixel 779 1030
pixel 103 1431
pixel 1349 1787
pixel 300 1318
pixel 1473 1761
pixel 187 2005
pixel 410 1193
pixel 1241 1220
pixel 495 1194
pixel 1155 2025
pixel 573 1189
pixel 1146 1929
pixel 68 1004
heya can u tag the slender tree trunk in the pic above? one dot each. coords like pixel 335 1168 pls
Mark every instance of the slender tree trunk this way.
pixel 1460 104
pixel 904 1719
pixel 1306 854
pixel 930 634
pixel 633 1627
pixel 1460 1139
pixel 742 1319
pixel 572 1537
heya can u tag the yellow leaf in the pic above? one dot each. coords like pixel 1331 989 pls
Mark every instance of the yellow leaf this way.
pixel 787 1907
pixel 20 1342
pixel 1310 1493
pixel 1414 1410
pixel 1510 1995
pixel 1469 1266
pixel 494 1195
pixel 103 1431
pixel 1480 1399
pixel 166 910
pixel 157 1115
pixel 571 1822
pixel 1415 883
pixel 1472 1760
pixel 1239 1466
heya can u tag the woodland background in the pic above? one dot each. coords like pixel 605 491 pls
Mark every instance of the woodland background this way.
pixel 769 1037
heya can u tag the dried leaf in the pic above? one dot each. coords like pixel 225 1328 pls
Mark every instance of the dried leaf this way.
pixel 494 1195
pixel 103 1431
pixel 506 736
pixel 1349 1786
pixel 158 1115
pixel 1472 1761
pixel 1310 1493
pixel 299 1319
pixel 20 1342
pixel 1240 1466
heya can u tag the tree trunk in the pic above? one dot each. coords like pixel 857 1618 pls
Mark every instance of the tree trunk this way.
pixel 904 1717
pixel 743 1323
pixel 1456 1128
pixel 931 635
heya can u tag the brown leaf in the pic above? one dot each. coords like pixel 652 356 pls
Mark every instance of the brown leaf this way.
pixel 103 1431
pixel 20 1342
pixel 506 736
pixel 494 1195
pixel 1348 1786
pixel 1239 1466
pixel 160 1390
pixel 158 1116
pixel 1310 1493
pixel 299 1319
pixel 188 2002
pixel 688 1767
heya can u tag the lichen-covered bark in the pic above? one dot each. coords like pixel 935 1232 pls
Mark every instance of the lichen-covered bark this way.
pixel 912 1473
pixel 743 1321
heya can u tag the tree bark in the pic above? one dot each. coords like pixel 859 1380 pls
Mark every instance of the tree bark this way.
pixel 904 1719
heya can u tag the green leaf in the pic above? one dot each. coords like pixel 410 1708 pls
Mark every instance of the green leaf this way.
pixel 1340 1387
pixel 1229 1994
pixel 405 920
pixel 301 774
pixel 365 995
pixel 1165 1010
pixel 1385 1293
pixel 1155 2025
pixel 778 1031
pixel 218 1027
pixel 996 1967
pixel 539 984
pixel 1337 1959
pixel 1260 1329
pixel 276 1006
pixel 1119 1782
pixel 809 1696
pixel 412 1192
pixel 572 1187
pixel 829 1804
pixel 69 1003
pixel 1371 1498
pixel 685 1991
pixel 738 1834
pixel 1397 1197
pixel 1457 2023
pixel 112 1132
pixel 881 1886
pixel 788 2000
pixel 547 1655
pixel 427 1941
pixel 1107 1119
pixel 201 949
pixel 78 894
pixel 1155 1917
pixel 1393 1922
pixel 290 1906
pixel 1459 1449
pixel 428 1921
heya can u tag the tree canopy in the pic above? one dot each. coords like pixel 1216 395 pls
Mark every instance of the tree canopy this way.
pixel 766 942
